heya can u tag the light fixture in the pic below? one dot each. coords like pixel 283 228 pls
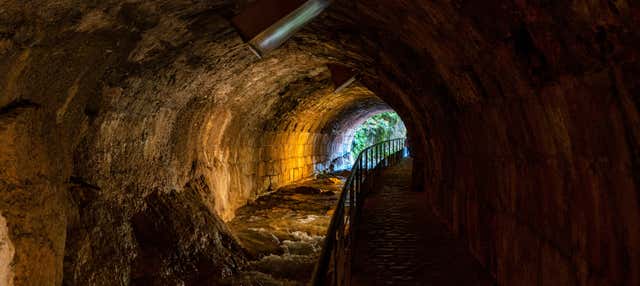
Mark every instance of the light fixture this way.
pixel 267 24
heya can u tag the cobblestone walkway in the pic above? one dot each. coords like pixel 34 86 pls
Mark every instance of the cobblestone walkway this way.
pixel 400 242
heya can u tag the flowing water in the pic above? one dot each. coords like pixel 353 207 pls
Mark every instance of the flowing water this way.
pixel 283 232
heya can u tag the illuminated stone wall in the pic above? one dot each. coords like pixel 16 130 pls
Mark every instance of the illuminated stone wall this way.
pixel 291 145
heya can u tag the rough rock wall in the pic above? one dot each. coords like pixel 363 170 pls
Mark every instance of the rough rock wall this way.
pixel 115 115
pixel 528 128
pixel 7 251
pixel 69 72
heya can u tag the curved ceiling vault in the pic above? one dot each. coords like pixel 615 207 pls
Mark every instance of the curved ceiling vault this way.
pixel 124 126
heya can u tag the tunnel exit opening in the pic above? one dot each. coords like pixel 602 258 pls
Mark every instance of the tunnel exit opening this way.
pixel 369 130
pixel 380 127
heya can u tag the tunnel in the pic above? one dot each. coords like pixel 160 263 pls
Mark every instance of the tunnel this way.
pixel 131 132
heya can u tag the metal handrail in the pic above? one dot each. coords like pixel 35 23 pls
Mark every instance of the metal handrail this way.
pixel 334 264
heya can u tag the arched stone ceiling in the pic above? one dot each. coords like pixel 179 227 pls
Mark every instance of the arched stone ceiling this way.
pixel 114 111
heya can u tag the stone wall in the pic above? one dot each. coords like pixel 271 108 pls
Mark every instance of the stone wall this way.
pixel 279 158
pixel 107 109
pixel 524 119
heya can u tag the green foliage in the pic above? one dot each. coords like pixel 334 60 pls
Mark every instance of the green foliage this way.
pixel 380 127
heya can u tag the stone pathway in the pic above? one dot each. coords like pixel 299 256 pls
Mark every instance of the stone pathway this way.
pixel 400 242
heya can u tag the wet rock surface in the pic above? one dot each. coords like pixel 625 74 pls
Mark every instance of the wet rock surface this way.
pixel 283 232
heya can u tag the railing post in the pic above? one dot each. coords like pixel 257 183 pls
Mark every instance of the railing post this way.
pixel 357 182
pixel 371 158
pixel 384 153
pixel 366 161
pixel 377 156
pixel 357 176
pixel 394 152
pixel 398 152
pixel 375 162
pixel 387 153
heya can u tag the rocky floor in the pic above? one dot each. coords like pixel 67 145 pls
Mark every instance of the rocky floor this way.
pixel 283 232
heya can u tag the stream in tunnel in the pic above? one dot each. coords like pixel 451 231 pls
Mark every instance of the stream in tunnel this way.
pixel 283 231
